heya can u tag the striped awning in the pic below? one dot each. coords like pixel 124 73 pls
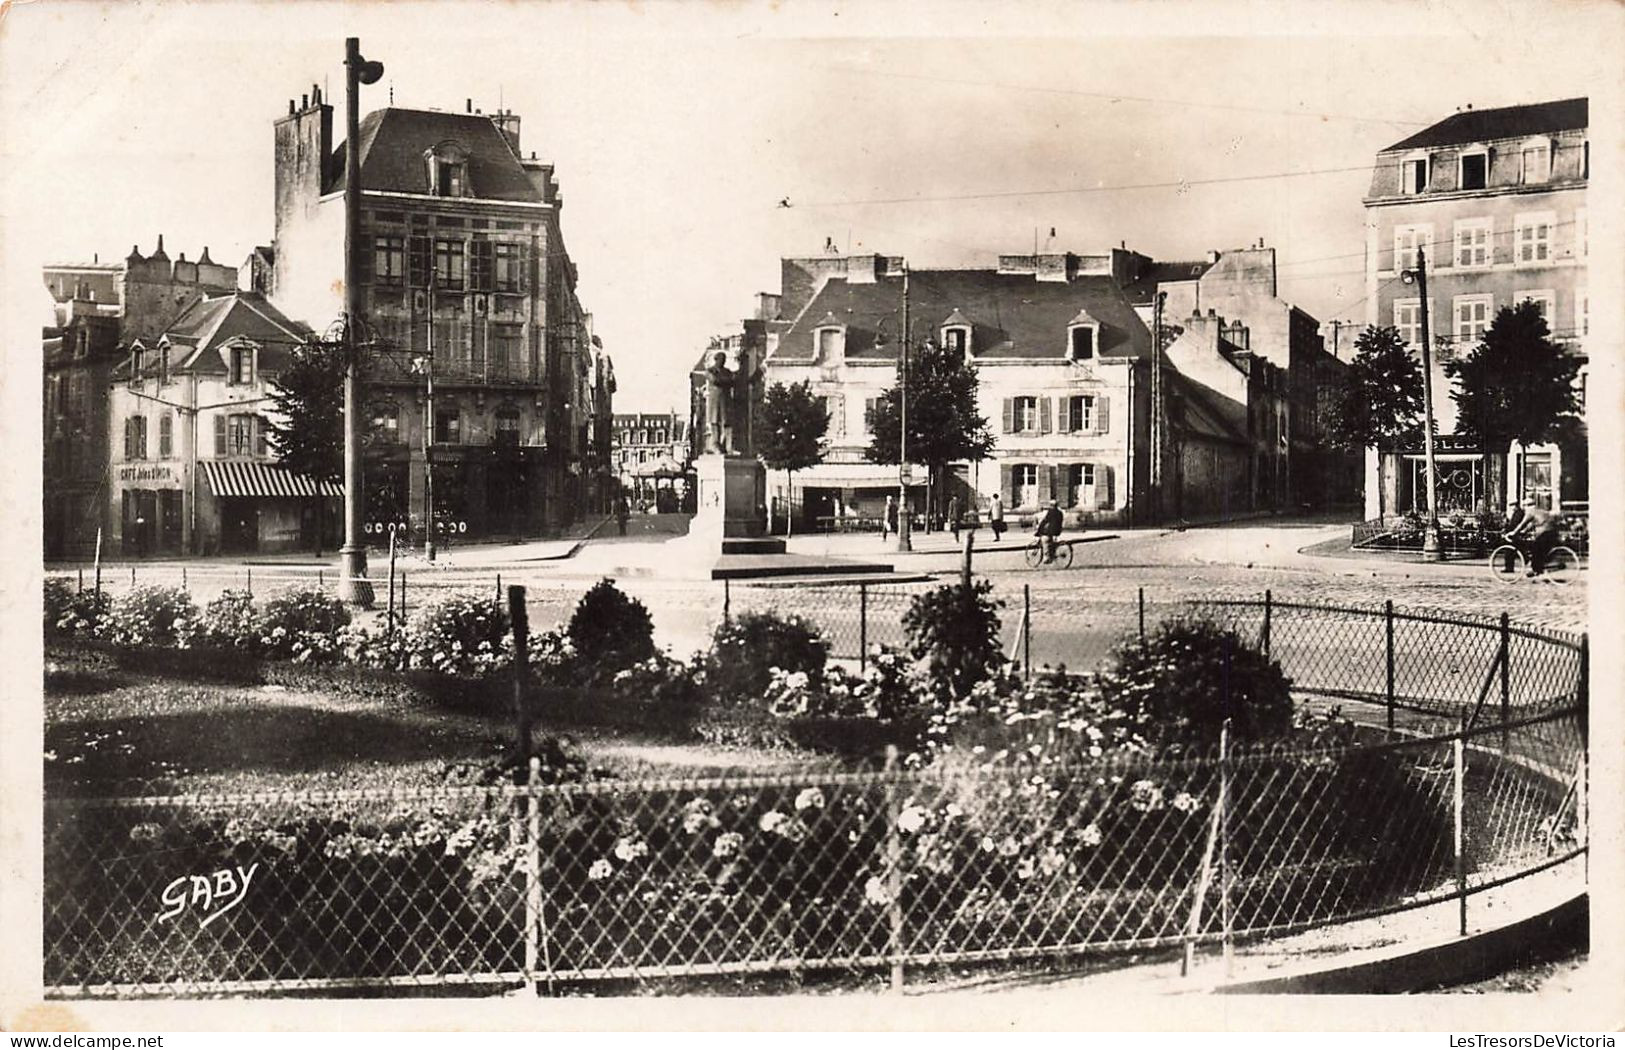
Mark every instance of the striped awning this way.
pixel 236 478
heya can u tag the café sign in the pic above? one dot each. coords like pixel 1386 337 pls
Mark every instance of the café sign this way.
pixel 148 473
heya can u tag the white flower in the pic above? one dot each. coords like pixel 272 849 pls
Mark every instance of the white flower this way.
pixel 810 798
pixel 629 849
pixel 912 819
pixel 601 869
pixel 727 844
pixel 772 821
pixel 144 832
pixel 1025 868
pixel 1009 847
pixel 1091 835
pixel 1145 796
pixel 953 811
pixel 875 891
pixel 1185 802
pixel 1052 861
pixel 694 823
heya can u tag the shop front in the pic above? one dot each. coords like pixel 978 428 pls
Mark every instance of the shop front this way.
pixel 150 510
pixel 246 507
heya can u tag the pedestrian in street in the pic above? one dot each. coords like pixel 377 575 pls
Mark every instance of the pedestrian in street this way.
pixel 623 510
pixel 953 516
pixel 888 523
pixel 995 516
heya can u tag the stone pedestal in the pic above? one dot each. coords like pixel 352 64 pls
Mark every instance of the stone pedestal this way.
pixel 730 514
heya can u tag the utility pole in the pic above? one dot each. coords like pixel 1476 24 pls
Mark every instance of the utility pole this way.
pixel 1430 534
pixel 354 587
pixel 1156 405
pixel 904 542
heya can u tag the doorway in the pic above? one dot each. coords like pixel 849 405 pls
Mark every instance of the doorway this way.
pixel 239 525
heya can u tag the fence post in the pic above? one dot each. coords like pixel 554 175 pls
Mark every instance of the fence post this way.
pixel 1388 618
pixel 727 600
pixel 184 587
pixel 964 569
pixel 403 596
pixel 499 586
pixel 132 576
pixel 1142 614
pixel 81 587
pixel 521 656
pixel 321 578
pixel 1226 875
pixel 1459 805
pixel 863 626
pixel 1506 690
pixel 894 874
pixel 249 573
pixel 98 561
pixel 535 929
pixel 1269 603
pixel 1027 631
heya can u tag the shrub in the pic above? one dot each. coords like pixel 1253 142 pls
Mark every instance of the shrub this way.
pixel 956 629
pixel 609 630
pixel 303 624
pixel 463 634
pixel 1184 679
pixel 73 612
pixel 746 649
pixel 149 615
pixel 228 622
pixel 663 680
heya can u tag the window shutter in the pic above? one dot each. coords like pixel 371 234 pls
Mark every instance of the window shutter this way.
pixel 219 433
pixel 1045 423
pixel 1046 482
pixel 128 441
pixel 1102 420
pixel 1103 487
pixel 417 262
pixel 484 265
pixel 1009 415
pixel 1006 485
pixel 525 257
pixel 1063 484
pixel 260 435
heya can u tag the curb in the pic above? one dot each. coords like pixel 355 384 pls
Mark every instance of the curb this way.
pixel 1444 962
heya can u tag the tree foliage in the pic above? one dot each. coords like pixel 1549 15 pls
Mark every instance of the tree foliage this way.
pixel 790 427
pixel 307 426
pixel 943 423
pixel 1515 385
pixel 1380 398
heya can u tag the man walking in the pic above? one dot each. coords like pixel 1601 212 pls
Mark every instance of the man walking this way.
pixel 995 516
pixel 953 516
pixel 888 520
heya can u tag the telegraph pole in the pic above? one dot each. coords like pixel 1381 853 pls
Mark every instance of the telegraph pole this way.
pixel 354 587
pixel 1430 534
pixel 1156 405
pixel 904 542
pixel 428 431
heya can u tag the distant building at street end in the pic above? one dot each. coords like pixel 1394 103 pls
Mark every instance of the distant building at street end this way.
pixel 190 466
pixel 1064 348
pixel 1496 199
pixel 464 264
pixel 99 310
pixel 650 456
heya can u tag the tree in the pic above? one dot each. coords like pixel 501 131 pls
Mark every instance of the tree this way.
pixel 789 434
pixel 943 424
pixel 1379 400
pixel 1515 385
pixel 307 427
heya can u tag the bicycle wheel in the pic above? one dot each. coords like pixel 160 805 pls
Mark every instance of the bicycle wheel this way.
pixel 1063 555
pixel 1560 565
pixel 1034 554
pixel 1506 563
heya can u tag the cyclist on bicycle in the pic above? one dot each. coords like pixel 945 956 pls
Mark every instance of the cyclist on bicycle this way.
pixel 1049 529
pixel 1541 527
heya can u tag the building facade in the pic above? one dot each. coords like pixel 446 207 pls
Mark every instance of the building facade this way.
pixel 1496 200
pixel 190 465
pixel 650 453
pixel 466 276
pixel 100 309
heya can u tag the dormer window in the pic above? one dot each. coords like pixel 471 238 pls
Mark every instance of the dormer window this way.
pixel 138 362
pixel 1082 337
pixel 829 340
pixel 1414 173
pixel 1473 168
pixel 956 335
pixel 1537 161
pixel 448 170
pixel 241 363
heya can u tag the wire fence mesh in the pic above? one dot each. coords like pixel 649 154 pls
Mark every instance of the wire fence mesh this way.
pixel 656 879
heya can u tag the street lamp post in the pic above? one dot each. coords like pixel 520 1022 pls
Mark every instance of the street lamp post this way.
pixel 904 524
pixel 425 363
pixel 1430 533
pixel 354 587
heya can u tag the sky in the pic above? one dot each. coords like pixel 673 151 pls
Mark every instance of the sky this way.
pixel 946 133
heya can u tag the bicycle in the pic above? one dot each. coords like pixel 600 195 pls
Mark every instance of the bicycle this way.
pixel 1508 560
pixel 1034 553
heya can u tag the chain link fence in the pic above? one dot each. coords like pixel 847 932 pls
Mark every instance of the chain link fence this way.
pixel 561 886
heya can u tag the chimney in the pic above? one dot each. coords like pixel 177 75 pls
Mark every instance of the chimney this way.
pixel 864 269
pixel 507 122
pixel 1057 266
pixel 1212 257
pixel 303 147
pixel 468 105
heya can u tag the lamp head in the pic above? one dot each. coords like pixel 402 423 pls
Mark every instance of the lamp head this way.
pixel 1407 276
pixel 370 72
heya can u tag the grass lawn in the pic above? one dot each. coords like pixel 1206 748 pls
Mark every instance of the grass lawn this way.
pixel 109 730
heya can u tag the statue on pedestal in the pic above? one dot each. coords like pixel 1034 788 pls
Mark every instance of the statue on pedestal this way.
pixel 728 392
